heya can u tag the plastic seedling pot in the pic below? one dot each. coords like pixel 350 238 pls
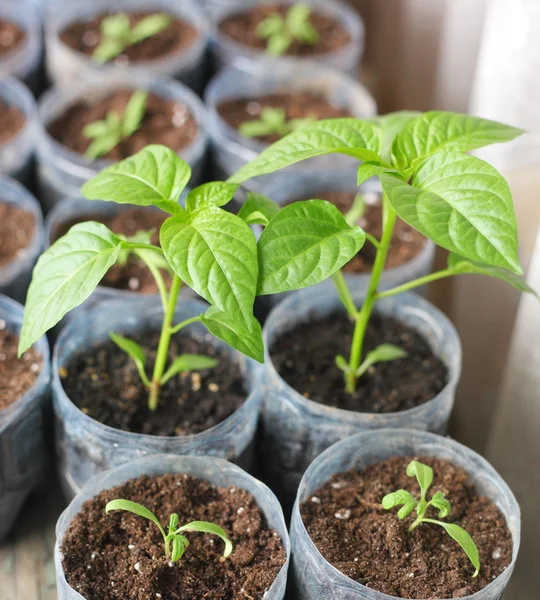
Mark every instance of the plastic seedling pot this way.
pixel 217 471
pixel 15 276
pixel 16 154
pixel 23 458
pixel 67 67
pixel 315 578
pixel 230 150
pixel 86 447
pixel 296 429
pixel 62 172
pixel 228 52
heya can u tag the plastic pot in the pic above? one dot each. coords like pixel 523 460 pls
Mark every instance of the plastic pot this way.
pixel 15 276
pixel 23 458
pixel 230 150
pixel 86 447
pixel 296 430
pixel 16 154
pixel 67 67
pixel 217 471
pixel 315 578
pixel 61 172
pixel 228 52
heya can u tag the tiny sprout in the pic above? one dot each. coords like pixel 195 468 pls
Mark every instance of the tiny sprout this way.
pixel 272 121
pixel 117 35
pixel 403 498
pixel 282 32
pixel 175 543
pixel 114 128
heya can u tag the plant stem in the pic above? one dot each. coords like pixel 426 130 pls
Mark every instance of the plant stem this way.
pixel 157 277
pixel 362 319
pixel 415 523
pixel 415 283
pixel 344 294
pixel 164 341
pixel 183 324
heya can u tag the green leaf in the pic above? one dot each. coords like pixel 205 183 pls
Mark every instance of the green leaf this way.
pixel 391 125
pixel 178 547
pixel 279 44
pixel 342 364
pixel 188 362
pixel 368 170
pixel 423 474
pixel 461 203
pixel 353 137
pixel 400 498
pixel 465 541
pixel 154 176
pixel 204 527
pixel 247 341
pixel 135 352
pixel 442 504
pixel 272 25
pixel 115 26
pixel 257 203
pixel 102 145
pixel 148 27
pixel 215 193
pixel 382 353
pixel 251 129
pixel 305 243
pixel 437 130
pixel 136 509
pixel 297 23
pixel 173 523
pixel 65 275
pixel 95 129
pixel 458 264
pixel 215 254
pixel 134 112
pixel 108 49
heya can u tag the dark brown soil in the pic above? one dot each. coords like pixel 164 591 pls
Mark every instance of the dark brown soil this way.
pixel 17 227
pixel 242 27
pixel 17 375
pixel 103 382
pixel 11 37
pixel 134 275
pixel 385 387
pixel 85 37
pixel 12 121
pixel 165 122
pixel 119 555
pixel 296 104
pixel 371 545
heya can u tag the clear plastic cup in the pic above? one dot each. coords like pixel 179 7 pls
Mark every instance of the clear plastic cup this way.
pixel 62 172
pixel 86 447
pixel 217 471
pixel 23 459
pixel 68 68
pixel 16 154
pixel 230 150
pixel 314 578
pixel 228 52
pixel 15 276
pixel 296 429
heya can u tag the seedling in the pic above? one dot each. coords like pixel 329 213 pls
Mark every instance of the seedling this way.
pixel 459 201
pixel 408 503
pixel 117 33
pixel 212 251
pixel 272 121
pixel 175 543
pixel 107 134
pixel 282 32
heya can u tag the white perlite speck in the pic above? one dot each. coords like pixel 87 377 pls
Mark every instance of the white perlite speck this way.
pixel 339 485
pixel 496 554
pixel 131 546
pixel 241 510
pixel 137 567
pixel 315 500
pixel 343 514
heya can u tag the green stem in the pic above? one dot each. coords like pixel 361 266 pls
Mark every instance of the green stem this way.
pixel 415 523
pixel 158 278
pixel 164 341
pixel 415 283
pixel 183 324
pixel 372 239
pixel 344 294
pixel 138 246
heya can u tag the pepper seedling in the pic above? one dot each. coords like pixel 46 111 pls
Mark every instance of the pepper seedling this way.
pixel 458 201
pixel 272 121
pixel 117 34
pixel 280 32
pixel 175 543
pixel 408 503
pixel 109 132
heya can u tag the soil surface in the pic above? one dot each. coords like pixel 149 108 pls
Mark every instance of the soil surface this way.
pixel 85 37
pixel 242 27
pixel 103 382
pixel 133 276
pixel 120 555
pixel 11 37
pixel 385 387
pixel 296 104
pixel 165 122
pixel 371 545
pixel 12 122
pixel 406 244
pixel 17 227
pixel 17 375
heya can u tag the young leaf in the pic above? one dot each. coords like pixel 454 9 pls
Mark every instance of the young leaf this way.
pixel 368 170
pixel 279 44
pixel 204 527
pixel 247 341
pixel 382 353
pixel 149 26
pixel 135 352
pixel 173 523
pixel 101 146
pixel 297 23
pixel 134 112
pixel 391 125
pixel 400 498
pixel 423 474
pixel 115 26
pixel 136 509
pixel 272 25
pixel 257 203
pixel 305 243
pixel 342 364
pixel 65 275
pixel 108 49
pixel 188 362
pixel 215 193
pixel 215 254
pixel 178 547
pixel 353 137
pixel 461 203
pixel 464 540
pixel 442 504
